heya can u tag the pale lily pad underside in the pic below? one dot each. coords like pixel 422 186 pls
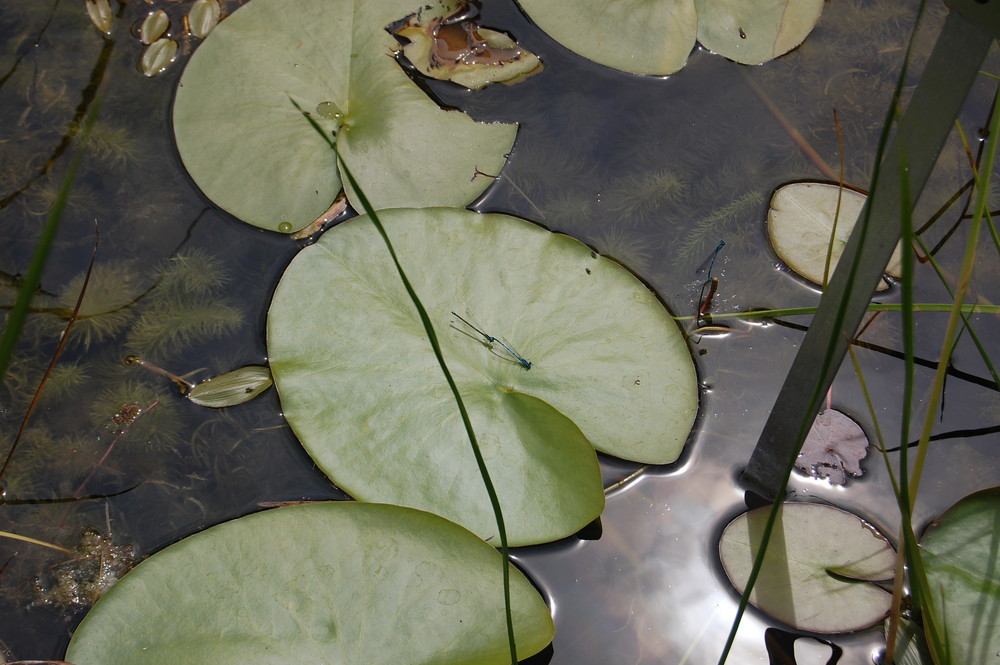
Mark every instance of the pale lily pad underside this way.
pixel 803 218
pixel 963 571
pixel 752 32
pixel 341 582
pixel 361 388
pixel 808 542
pixel 641 36
pixel 252 152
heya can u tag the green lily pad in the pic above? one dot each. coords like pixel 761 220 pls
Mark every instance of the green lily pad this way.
pixel 755 31
pixel 802 220
pixel 641 36
pixel 963 572
pixel 317 583
pixel 362 390
pixel 813 571
pixel 251 151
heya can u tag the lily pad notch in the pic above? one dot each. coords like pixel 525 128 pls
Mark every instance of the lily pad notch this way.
pixel 604 366
pixel 251 154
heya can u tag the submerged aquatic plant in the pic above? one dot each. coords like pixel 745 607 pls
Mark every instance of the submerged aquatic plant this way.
pixel 634 197
pixel 628 247
pixel 741 212
pixel 107 306
pixel 169 324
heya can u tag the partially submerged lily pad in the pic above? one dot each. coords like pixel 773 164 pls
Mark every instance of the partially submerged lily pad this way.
pixel 963 572
pixel 341 582
pixel 752 32
pixel 641 36
pixel 803 218
pixel 362 390
pixel 251 151
pixel 814 560
pixel 447 43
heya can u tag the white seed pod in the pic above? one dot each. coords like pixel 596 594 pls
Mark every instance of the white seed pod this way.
pixel 204 16
pixel 100 15
pixel 154 26
pixel 158 56
pixel 240 385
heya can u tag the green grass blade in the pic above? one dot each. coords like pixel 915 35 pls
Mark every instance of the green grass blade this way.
pixel 872 307
pixel 480 462
pixel 432 337
pixel 33 276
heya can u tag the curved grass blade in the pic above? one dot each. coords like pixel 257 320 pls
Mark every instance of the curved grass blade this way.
pixel 432 337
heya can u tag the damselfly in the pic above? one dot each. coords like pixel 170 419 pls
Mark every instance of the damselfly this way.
pixel 490 339
pixel 710 261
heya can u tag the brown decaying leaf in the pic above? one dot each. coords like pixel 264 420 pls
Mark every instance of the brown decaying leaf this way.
pixel 833 449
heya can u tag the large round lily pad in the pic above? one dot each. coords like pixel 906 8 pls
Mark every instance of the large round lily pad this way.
pixel 341 582
pixel 254 154
pixel 361 388
pixel 755 31
pixel 963 572
pixel 816 560
pixel 641 36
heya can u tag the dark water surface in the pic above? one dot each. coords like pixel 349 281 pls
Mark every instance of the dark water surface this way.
pixel 651 171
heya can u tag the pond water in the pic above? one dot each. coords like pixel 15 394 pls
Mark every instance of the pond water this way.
pixel 652 171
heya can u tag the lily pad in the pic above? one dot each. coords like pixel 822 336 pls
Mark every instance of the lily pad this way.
pixel 452 47
pixel 251 151
pixel 755 31
pixel 833 449
pixel 803 218
pixel 814 566
pixel 641 36
pixel 327 582
pixel 963 571
pixel 362 390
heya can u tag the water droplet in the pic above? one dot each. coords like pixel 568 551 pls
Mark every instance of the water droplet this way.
pixel 330 111
pixel 285 227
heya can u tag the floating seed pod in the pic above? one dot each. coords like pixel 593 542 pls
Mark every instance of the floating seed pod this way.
pixel 158 56
pixel 100 15
pixel 153 27
pixel 203 17
pixel 240 385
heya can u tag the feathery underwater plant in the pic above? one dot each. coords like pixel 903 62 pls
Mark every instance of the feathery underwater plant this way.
pixel 639 195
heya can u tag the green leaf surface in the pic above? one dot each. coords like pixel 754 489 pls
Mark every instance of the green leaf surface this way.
pixel 803 218
pixel 814 561
pixel 641 36
pixel 362 390
pixel 232 388
pixel 251 151
pixel 961 554
pixel 752 32
pixel 338 582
